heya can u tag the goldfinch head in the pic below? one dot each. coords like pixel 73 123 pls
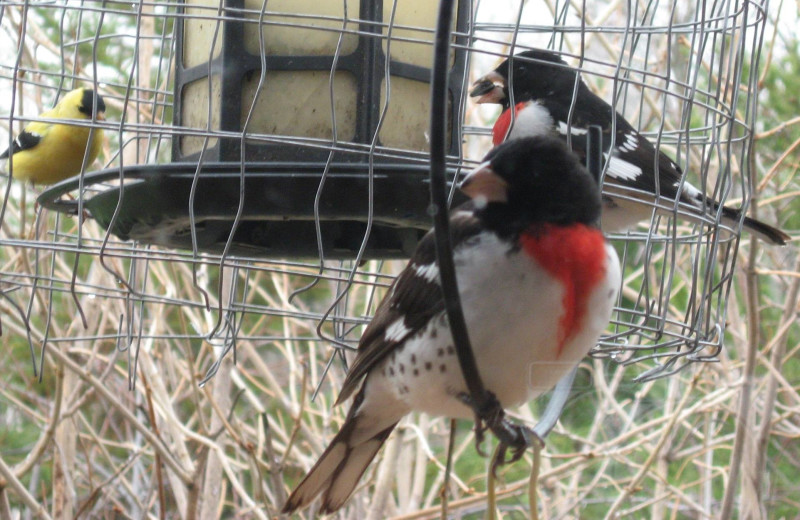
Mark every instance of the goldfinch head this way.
pixel 79 104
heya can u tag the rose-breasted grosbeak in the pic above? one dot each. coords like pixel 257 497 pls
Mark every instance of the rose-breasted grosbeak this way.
pixel 543 87
pixel 537 282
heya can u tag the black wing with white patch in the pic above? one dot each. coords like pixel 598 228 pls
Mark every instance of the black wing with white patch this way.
pixel 24 141
pixel 632 162
pixel 413 300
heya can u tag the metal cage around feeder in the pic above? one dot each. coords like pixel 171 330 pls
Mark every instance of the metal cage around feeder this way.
pixel 202 234
pixel 212 175
pixel 305 68
pixel 317 112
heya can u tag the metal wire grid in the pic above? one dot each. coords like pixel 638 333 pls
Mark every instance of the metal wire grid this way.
pixel 680 71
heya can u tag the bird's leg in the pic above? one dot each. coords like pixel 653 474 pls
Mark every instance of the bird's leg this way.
pixel 489 415
pixel 480 428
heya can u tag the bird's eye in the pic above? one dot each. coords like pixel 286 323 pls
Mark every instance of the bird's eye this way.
pixel 521 72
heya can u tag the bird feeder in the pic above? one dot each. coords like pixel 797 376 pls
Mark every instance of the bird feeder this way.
pixel 320 109
pixel 218 77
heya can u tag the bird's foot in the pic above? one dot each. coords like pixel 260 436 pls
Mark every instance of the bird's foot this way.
pixel 489 415
pixel 514 436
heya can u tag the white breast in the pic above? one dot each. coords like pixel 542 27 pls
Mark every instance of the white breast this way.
pixel 533 120
pixel 512 307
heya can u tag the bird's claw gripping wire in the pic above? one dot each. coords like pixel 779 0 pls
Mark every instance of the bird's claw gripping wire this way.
pixel 489 415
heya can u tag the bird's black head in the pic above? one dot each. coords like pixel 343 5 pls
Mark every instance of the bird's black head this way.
pixel 534 180
pixel 87 103
pixel 536 74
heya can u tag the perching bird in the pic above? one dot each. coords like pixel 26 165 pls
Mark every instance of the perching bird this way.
pixel 537 282
pixel 543 93
pixel 48 152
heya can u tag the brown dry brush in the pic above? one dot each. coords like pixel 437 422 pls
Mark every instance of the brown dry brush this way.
pixel 120 425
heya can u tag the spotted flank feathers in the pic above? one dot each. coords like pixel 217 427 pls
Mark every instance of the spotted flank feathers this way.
pixel 537 282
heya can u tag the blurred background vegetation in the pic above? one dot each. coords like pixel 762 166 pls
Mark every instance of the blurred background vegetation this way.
pixel 119 423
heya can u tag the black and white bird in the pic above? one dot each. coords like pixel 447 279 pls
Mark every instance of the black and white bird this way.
pixel 537 281
pixel 542 88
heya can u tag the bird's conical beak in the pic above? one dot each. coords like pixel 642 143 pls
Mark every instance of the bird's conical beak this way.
pixel 490 88
pixel 483 185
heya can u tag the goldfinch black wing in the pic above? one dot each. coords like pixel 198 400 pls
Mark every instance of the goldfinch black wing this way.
pixel 26 140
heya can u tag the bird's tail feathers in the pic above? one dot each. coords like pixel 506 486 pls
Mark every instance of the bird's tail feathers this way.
pixel 732 216
pixel 338 470
pixel 769 234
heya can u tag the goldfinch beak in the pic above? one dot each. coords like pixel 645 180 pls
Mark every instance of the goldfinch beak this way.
pixel 483 185
pixel 490 88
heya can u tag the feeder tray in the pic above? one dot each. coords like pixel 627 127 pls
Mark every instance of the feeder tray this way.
pixel 277 210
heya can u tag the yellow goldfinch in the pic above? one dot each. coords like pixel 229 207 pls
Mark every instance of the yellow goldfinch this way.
pixel 45 153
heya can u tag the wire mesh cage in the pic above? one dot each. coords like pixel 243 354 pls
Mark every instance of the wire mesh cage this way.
pixel 658 63
pixel 263 160
pixel 194 205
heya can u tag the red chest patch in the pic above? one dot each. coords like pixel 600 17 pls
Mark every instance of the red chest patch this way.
pixel 576 257
pixel 501 126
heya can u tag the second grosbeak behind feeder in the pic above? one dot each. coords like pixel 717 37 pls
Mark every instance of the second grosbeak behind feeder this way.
pixel 542 86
